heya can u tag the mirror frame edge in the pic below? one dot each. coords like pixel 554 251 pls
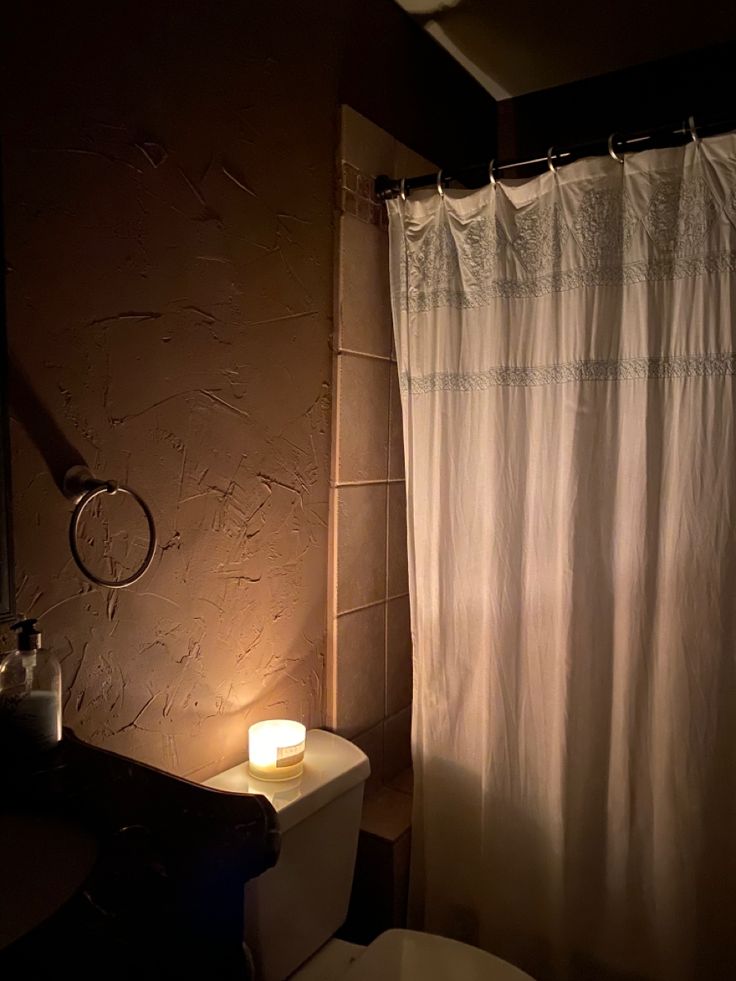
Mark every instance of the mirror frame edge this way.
pixel 7 570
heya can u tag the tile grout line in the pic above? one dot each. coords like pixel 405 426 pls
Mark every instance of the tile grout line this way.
pixel 385 597
pixel 337 484
pixel 363 354
pixel 334 530
pixel 392 409
pixel 386 591
pixel 368 606
pixel 395 596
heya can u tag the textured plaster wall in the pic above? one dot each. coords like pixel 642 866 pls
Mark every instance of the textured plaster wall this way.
pixel 168 184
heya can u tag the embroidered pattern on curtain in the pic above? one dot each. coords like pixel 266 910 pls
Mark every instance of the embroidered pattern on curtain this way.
pixel 557 374
pixel 509 254
pixel 566 350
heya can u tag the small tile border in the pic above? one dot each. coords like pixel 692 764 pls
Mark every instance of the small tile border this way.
pixel 356 196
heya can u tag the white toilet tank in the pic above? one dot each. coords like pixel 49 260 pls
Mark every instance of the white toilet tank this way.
pixel 295 907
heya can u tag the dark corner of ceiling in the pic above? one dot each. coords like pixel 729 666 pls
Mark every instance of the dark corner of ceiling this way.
pixel 403 80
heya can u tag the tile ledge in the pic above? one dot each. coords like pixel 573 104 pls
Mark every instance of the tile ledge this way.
pixel 387 813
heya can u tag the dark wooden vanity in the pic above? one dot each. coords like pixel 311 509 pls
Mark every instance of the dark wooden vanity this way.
pixel 113 869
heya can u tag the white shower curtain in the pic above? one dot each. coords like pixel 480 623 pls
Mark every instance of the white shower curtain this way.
pixel 566 357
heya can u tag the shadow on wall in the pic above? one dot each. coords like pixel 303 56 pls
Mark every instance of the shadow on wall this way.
pixel 169 215
pixel 147 699
pixel 29 410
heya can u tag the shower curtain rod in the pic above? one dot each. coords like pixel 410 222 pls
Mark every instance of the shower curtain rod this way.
pixel 477 175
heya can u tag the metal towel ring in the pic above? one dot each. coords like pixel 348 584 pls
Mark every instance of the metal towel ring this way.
pixel 612 149
pixel 492 173
pixel 402 190
pixel 693 131
pixel 80 485
pixel 550 164
pixel 440 188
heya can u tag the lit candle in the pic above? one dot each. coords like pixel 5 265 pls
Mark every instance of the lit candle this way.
pixel 276 749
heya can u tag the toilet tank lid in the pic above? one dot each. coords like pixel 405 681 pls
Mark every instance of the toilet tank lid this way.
pixel 332 766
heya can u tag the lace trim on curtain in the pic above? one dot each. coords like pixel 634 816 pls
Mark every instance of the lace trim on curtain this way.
pixel 681 229
pixel 698 366
pixel 678 267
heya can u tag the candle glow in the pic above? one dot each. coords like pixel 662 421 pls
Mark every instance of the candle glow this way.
pixel 276 749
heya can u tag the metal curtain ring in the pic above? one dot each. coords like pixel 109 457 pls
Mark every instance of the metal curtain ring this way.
pixel 402 189
pixel 693 131
pixel 111 487
pixel 550 165
pixel 440 188
pixel 492 173
pixel 612 149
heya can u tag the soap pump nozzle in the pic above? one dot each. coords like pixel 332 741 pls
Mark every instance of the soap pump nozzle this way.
pixel 29 640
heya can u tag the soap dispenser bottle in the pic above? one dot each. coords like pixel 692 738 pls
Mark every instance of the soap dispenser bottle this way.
pixel 30 695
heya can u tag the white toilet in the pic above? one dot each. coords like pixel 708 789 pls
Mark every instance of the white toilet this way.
pixel 293 910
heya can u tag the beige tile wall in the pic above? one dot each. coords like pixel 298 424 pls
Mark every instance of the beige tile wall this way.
pixel 369 660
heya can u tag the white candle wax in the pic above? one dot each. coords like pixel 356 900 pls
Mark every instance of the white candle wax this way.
pixel 276 749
